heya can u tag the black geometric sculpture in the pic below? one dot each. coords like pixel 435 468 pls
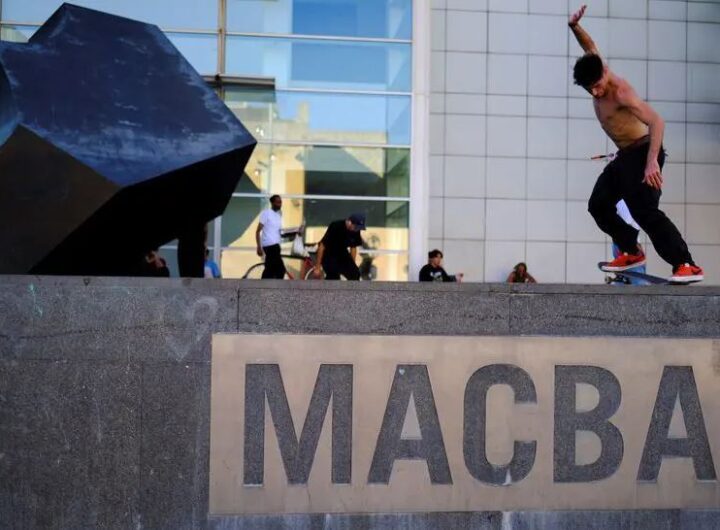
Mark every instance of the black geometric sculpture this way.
pixel 111 145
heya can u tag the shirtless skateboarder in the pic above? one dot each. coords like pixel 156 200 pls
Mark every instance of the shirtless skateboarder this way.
pixel 635 174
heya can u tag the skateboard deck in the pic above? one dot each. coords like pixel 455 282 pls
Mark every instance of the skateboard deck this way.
pixel 656 280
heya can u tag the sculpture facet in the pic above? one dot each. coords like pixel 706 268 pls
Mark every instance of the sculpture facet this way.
pixel 110 145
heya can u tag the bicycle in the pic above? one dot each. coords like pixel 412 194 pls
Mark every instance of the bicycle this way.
pixel 307 252
pixel 299 251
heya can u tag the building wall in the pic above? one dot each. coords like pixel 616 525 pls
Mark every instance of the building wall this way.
pixel 511 136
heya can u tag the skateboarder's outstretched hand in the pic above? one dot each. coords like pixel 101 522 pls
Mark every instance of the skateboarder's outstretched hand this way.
pixel 576 16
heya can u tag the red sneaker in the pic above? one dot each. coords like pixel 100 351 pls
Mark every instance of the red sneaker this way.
pixel 687 273
pixel 625 261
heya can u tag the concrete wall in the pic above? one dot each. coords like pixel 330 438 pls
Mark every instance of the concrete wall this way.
pixel 511 136
pixel 105 384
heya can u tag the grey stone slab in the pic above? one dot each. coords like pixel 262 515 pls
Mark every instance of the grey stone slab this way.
pixel 105 384
pixel 373 312
pixel 174 465
pixel 400 521
pixel 69 445
pixel 670 519
pixel 519 520
pixel 699 519
pixel 469 287
pixel 613 519
pixel 269 522
pixel 113 318
pixel 564 520
pixel 655 519
pixel 617 315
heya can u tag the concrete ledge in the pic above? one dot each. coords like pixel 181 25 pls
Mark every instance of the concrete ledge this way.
pixel 559 520
pixel 105 384
pixel 158 320
pixel 421 521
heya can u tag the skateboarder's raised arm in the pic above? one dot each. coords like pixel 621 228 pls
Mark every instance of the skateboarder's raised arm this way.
pixel 582 36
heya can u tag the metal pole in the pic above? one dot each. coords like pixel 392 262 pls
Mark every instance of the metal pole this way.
pixel 222 26
pixel 420 141
pixel 222 30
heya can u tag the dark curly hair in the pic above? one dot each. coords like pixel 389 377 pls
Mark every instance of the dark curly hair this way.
pixel 588 70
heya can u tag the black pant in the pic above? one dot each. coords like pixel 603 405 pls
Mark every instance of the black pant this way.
pixel 191 252
pixel 343 264
pixel 623 179
pixel 274 266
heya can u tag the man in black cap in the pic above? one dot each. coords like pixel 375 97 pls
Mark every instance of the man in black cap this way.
pixel 333 255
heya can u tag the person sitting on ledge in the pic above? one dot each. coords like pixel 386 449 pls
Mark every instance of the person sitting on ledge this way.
pixel 154 265
pixel 434 272
pixel 211 268
pixel 520 274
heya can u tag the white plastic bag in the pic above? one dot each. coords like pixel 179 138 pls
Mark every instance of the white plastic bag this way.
pixel 298 247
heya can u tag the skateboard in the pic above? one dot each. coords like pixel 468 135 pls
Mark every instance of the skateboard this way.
pixel 655 280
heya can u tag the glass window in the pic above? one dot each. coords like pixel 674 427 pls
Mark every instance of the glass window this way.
pixel 390 19
pixel 17 33
pixel 324 117
pixel 201 50
pixel 194 14
pixel 240 219
pixel 328 170
pixel 303 63
pixel 387 221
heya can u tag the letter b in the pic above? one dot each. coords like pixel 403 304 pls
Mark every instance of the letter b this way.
pixel 568 421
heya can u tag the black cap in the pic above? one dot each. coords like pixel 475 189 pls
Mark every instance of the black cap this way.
pixel 358 219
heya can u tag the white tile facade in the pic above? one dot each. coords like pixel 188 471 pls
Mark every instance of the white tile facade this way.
pixel 507 74
pixel 510 173
pixel 467 32
pixel 507 178
pixel 668 10
pixel 667 40
pixel 465 176
pixel 464 219
pixel 465 72
pixel 547 76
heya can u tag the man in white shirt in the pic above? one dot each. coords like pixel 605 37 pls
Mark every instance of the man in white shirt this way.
pixel 268 237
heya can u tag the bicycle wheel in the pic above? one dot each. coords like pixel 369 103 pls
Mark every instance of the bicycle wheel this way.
pixel 254 272
pixel 310 276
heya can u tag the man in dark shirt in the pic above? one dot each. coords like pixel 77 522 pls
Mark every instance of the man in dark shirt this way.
pixel 333 255
pixel 433 271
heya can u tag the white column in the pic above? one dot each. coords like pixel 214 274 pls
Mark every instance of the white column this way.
pixel 420 142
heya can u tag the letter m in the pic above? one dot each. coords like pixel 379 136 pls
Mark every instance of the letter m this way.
pixel 264 381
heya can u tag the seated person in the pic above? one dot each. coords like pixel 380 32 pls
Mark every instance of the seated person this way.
pixel 434 272
pixel 154 265
pixel 211 268
pixel 520 274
